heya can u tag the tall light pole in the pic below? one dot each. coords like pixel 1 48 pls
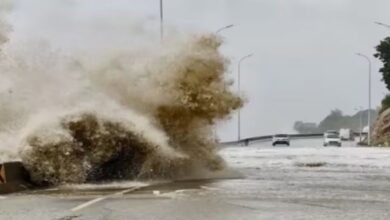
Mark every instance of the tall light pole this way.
pixel 382 24
pixel 161 20
pixel 239 92
pixel 360 121
pixel 369 96
pixel 224 28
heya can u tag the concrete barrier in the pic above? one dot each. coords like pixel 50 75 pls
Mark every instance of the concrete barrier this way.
pixel 248 141
pixel 13 177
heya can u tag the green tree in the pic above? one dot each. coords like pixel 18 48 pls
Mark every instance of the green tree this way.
pixel 383 54
pixel 385 103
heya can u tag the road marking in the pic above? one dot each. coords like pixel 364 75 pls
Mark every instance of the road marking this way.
pixel 91 202
pixel 3 197
pixel 85 205
pixel 69 217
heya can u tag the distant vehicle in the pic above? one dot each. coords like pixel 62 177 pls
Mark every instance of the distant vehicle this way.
pixel 281 139
pixel 331 132
pixel 332 139
pixel 366 130
pixel 346 134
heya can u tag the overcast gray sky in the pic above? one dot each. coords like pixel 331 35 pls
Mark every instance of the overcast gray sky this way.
pixel 304 63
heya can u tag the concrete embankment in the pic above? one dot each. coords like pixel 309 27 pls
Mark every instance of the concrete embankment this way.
pixel 13 177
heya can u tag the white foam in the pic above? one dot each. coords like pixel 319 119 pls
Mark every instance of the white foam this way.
pixel 268 157
pixel 102 186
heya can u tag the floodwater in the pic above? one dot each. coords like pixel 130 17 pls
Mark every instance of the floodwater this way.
pixel 303 181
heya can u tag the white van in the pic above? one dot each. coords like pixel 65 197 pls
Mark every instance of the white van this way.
pixel 346 134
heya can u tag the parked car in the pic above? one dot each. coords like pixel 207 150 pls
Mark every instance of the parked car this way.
pixel 332 139
pixel 281 139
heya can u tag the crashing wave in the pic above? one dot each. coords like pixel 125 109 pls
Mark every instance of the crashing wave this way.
pixel 87 146
pixel 162 130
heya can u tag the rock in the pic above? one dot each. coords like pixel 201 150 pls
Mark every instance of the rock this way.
pixel 381 129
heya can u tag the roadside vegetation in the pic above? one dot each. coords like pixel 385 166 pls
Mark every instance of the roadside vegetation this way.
pixel 335 121
pixel 381 131
pixel 383 54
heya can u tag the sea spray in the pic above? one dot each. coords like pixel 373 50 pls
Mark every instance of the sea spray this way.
pixel 5 28
pixel 84 145
pixel 119 115
pixel 100 144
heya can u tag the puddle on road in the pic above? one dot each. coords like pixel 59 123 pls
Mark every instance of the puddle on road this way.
pixel 310 164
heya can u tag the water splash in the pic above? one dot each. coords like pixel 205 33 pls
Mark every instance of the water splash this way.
pixel 119 115
pixel 5 28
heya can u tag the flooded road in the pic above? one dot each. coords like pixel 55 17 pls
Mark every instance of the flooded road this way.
pixel 303 181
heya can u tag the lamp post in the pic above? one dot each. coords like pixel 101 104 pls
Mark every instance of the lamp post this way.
pixel 382 24
pixel 161 20
pixel 239 91
pixel 369 96
pixel 217 32
pixel 224 28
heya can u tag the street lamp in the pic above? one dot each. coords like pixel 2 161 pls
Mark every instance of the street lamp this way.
pixel 369 96
pixel 360 121
pixel 161 20
pixel 382 24
pixel 239 91
pixel 224 28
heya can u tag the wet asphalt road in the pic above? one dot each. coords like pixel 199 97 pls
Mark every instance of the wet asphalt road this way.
pixel 303 181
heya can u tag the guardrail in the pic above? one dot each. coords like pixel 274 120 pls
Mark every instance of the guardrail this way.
pixel 247 141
